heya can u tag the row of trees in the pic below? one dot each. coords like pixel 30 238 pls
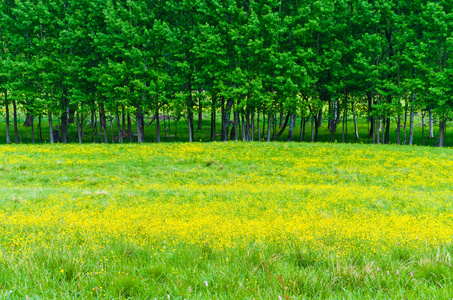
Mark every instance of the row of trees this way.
pixel 254 62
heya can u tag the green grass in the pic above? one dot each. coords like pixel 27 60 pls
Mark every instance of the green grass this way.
pixel 57 203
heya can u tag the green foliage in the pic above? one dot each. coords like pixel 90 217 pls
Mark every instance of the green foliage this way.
pixel 245 56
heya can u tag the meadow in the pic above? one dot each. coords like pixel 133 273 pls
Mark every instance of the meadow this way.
pixel 225 221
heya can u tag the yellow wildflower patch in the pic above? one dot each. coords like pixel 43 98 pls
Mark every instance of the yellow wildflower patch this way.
pixel 329 198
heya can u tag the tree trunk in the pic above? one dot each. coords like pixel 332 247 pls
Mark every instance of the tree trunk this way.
pixel 200 113
pixel 332 130
pixel 123 121
pixel 373 128
pixel 28 119
pixel 283 127
pixel 244 128
pixel 343 129
pixel 104 124
pixel 247 126
pixel 138 125
pixel 423 128
pixel 101 135
pixel 166 127
pixel 239 127
pixel 252 126
pixel 142 123
pixel 387 130
pixel 157 124
pixel 93 125
pixel 378 129
pixel 338 113
pixel 190 110
pixel 111 129
pixel 64 126
pixel 64 118
pixel 274 125
pixel 223 137
pixel 398 126
pixel 280 122
pixel 332 121
pixel 96 133
pixel 79 132
pixel 235 126
pixel 176 130
pixel 387 123
pixel 32 129
pixel 346 119
pixel 356 132
pixel 226 119
pixel 213 129
pixel 441 132
pixel 233 131
pixel 405 121
pixel 312 129
pixel 40 128
pixel 411 122
pixel 319 122
pixel 292 122
pixel 269 124
pixel 370 117
pixel 301 133
pixel 431 124
pixel 129 127
pixel 50 128
pixel 213 117
pixel 120 133
pixel 332 124
pixel 8 138
pixel 258 125
pixel 16 133
pixel 303 129
pixel 190 122
pixel 71 113
pixel 82 128
pixel 316 130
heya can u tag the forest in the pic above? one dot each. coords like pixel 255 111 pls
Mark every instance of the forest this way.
pixel 254 66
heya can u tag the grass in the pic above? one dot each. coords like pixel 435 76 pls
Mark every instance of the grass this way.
pixel 225 221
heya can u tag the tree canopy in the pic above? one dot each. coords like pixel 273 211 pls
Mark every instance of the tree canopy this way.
pixel 121 62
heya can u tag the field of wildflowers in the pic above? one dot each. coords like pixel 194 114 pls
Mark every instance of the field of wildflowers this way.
pixel 225 221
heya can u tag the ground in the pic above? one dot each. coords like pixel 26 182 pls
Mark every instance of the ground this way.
pixel 225 221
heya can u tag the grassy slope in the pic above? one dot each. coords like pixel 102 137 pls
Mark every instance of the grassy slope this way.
pixel 250 220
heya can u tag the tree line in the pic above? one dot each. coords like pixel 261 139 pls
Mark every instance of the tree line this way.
pixel 256 65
